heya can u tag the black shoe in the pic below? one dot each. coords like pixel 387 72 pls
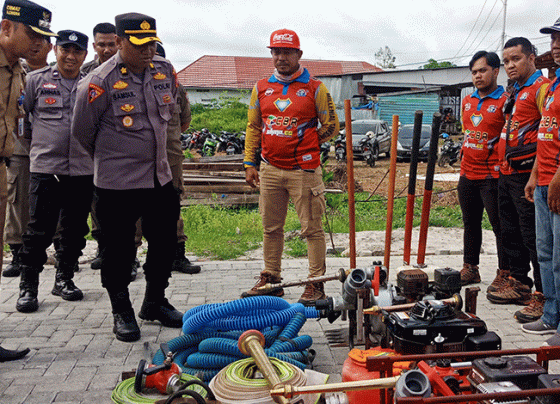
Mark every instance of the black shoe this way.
pixel 97 261
pixel 67 290
pixel 126 328
pixel 28 290
pixel 163 312
pixel 183 265
pixel 9 355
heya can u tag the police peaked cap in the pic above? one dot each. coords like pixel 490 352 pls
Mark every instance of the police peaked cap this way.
pixel 137 28
pixel 36 17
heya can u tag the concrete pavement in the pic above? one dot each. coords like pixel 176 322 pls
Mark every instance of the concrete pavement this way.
pixel 75 358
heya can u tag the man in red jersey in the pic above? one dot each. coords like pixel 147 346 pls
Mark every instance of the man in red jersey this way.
pixel 483 120
pixel 290 115
pixel 517 149
pixel 544 189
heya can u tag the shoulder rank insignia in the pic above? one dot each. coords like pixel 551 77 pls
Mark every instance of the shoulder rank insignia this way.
pixel 123 70
pixel 159 76
pixel 127 107
pixel 119 85
pixel 94 92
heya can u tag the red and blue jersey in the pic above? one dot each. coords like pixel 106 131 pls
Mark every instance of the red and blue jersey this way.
pixel 483 120
pixel 525 118
pixel 290 120
pixel 548 141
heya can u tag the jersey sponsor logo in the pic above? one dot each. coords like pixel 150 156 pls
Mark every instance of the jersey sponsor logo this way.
pixel 123 95
pixel 492 108
pixel 127 107
pixel 120 85
pixel 269 91
pixel 166 99
pixel 50 101
pixel 307 157
pixel 524 96
pixel 127 121
pixel 287 121
pixel 467 106
pixel 282 105
pixel 159 76
pixel 476 119
pixel 546 136
pixel 278 132
pixel 302 92
pixel 50 85
pixel 162 86
pixel 94 92
pixel 549 122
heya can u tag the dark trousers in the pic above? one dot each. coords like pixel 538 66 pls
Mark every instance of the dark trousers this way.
pixel 474 197
pixel 53 198
pixel 117 213
pixel 517 221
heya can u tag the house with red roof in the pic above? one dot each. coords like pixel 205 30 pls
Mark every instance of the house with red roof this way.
pixel 211 77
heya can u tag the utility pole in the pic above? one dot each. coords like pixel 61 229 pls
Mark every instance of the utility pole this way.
pixel 504 26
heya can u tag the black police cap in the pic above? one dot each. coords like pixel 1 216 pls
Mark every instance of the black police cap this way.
pixel 36 17
pixel 137 28
pixel 69 37
pixel 551 29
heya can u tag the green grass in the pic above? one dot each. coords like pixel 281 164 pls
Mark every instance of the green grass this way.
pixel 213 232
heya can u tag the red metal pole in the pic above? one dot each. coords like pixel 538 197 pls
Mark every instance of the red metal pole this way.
pixel 350 177
pixel 391 192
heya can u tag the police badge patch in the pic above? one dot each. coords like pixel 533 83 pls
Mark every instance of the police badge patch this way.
pixel 94 92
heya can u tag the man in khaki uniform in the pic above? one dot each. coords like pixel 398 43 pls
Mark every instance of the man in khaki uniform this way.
pixel 22 28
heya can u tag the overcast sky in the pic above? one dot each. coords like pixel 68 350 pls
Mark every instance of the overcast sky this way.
pixel 414 30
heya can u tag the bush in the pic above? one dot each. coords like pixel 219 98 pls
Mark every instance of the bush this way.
pixel 225 114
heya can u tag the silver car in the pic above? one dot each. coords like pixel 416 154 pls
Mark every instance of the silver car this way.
pixel 375 129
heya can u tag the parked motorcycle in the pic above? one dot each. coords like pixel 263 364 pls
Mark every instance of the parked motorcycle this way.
pixel 325 149
pixel 210 145
pixel 450 151
pixel 366 149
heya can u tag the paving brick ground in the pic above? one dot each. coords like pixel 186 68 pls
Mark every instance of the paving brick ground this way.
pixel 76 359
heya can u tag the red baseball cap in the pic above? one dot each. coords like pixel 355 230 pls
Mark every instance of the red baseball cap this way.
pixel 284 38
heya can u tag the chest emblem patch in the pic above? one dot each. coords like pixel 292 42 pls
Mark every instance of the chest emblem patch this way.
pixel 159 76
pixel 302 93
pixel 50 101
pixel 166 99
pixel 127 107
pixel 120 85
pixel 268 91
pixel 94 92
pixel 476 119
pixel 282 105
pixel 127 121
pixel 50 86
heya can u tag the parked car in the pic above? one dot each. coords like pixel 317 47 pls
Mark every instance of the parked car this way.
pixel 404 143
pixel 375 129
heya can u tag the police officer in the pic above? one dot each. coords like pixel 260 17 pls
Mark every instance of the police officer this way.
pixel 61 181
pixel 22 28
pixel 104 44
pixel 17 214
pixel 121 115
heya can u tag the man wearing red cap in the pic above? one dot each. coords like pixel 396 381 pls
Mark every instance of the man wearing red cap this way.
pixel 290 115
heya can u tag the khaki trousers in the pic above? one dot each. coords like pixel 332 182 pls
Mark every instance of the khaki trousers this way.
pixel 17 215
pixel 306 189
pixel 3 203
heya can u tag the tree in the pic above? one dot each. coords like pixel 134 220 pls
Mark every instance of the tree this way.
pixel 434 64
pixel 384 58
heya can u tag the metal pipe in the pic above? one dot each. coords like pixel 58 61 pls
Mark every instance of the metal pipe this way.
pixel 417 132
pixel 455 301
pixel 342 274
pixel 391 192
pixel 428 186
pixel 290 391
pixel 251 343
pixel 350 178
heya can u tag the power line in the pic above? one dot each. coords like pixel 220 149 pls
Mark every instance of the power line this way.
pixel 468 51
pixel 472 29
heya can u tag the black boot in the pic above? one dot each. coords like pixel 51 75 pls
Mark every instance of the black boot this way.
pixel 182 263
pixel 97 261
pixel 157 307
pixel 125 326
pixel 28 290
pixel 9 355
pixel 13 269
pixel 64 285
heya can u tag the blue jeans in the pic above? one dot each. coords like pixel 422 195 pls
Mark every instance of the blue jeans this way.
pixel 548 252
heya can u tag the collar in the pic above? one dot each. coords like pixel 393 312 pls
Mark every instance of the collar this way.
pixel 529 81
pixel 497 93
pixel 556 81
pixel 303 77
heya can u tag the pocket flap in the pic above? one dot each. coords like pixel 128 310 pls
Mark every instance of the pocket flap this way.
pixel 318 190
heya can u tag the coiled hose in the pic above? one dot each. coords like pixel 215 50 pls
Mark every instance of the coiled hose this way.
pixel 212 330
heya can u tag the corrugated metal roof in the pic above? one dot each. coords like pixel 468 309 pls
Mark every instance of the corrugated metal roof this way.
pixel 406 105
pixel 239 72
